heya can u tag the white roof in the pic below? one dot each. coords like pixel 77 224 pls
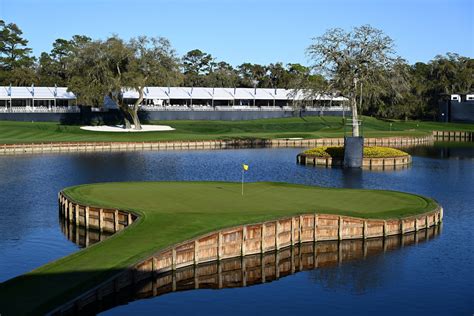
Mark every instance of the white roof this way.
pixel 221 94
pixel 166 93
pixel 49 93
pixel 243 93
pixel 199 93
pixel 279 94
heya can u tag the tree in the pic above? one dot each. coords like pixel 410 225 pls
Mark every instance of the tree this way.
pixel 277 76
pixel 53 67
pixel 223 75
pixel 110 67
pixel 196 66
pixel 362 56
pixel 253 73
pixel 16 64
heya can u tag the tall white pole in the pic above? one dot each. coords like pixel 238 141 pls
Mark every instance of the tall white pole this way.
pixel 242 181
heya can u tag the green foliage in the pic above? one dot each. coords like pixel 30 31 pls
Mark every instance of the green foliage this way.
pixel 110 67
pixel 196 65
pixel 326 152
pixel 387 86
pixel 369 152
pixel 382 152
pixel 16 64
pixel 55 68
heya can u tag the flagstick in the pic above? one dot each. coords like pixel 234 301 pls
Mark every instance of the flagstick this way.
pixel 242 182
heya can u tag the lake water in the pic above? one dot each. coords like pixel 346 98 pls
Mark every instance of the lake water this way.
pixel 433 277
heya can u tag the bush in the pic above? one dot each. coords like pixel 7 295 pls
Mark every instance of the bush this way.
pixel 382 152
pixel 369 152
pixel 326 152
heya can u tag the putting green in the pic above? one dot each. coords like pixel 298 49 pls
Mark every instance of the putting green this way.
pixel 170 212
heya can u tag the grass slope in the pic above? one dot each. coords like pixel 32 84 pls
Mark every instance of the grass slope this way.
pixel 171 212
pixel 308 127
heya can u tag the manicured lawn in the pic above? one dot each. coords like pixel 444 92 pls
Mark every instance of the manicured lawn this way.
pixel 171 212
pixel 308 127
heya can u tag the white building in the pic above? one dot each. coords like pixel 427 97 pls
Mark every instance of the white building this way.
pixel 37 99
pixel 58 99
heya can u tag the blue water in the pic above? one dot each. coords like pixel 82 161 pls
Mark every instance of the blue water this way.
pixel 435 277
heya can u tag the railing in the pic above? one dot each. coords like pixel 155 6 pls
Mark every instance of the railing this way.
pixel 239 108
pixel 40 109
pixel 151 108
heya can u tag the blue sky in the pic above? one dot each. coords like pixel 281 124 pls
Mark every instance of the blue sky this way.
pixel 257 31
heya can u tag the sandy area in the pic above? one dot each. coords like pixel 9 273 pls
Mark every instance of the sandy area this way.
pixel 120 129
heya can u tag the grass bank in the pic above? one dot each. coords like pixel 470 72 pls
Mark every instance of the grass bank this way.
pixel 171 212
pixel 307 127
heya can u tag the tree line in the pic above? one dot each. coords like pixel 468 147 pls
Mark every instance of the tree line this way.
pixel 360 63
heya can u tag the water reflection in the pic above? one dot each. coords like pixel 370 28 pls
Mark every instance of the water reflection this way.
pixel 435 277
pixel 444 150
pixel 253 269
pixel 80 235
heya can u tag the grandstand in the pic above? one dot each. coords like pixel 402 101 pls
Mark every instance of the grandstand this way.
pixel 37 99
pixel 170 103
pixel 60 100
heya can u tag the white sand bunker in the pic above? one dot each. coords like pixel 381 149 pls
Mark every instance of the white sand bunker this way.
pixel 120 129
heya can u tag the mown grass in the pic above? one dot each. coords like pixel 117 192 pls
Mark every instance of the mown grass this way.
pixel 307 127
pixel 171 212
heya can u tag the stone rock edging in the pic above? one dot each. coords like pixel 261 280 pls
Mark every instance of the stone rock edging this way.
pixel 231 242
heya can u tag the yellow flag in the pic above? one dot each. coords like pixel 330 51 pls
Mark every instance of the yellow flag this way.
pixel 245 167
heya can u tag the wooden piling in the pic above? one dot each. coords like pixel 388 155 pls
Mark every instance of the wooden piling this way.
pixel 116 222
pixel 101 220
pixel 86 217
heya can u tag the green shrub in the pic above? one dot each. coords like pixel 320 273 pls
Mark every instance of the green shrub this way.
pixel 382 152
pixel 369 152
pixel 326 152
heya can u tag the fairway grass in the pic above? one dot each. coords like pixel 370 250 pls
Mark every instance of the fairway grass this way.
pixel 307 127
pixel 171 212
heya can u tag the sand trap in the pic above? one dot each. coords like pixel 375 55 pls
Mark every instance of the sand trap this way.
pixel 120 129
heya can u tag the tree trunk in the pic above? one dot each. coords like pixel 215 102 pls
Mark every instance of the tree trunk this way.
pixel 126 116
pixel 134 111
pixel 126 121
pixel 136 120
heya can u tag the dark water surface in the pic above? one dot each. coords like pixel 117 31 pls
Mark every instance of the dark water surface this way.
pixel 433 277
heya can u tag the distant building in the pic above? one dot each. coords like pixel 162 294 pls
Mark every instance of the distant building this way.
pixel 457 108
pixel 36 99
pixel 168 103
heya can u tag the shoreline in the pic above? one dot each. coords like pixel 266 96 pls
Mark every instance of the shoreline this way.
pixel 64 147
pixel 238 241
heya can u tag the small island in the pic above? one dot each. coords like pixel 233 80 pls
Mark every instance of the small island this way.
pixel 375 157
pixel 211 221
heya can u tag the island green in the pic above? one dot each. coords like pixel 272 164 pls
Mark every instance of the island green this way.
pixel 171 212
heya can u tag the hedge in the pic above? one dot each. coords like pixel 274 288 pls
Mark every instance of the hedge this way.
pixel 369 152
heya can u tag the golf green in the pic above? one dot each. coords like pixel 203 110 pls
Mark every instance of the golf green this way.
pixel 171 212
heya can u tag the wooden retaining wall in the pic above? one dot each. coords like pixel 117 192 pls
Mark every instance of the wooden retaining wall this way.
pixel 243 271
pixel 453 136
pixel 237 241
pixel 369 163
pixel 103 220
pixel 80 235
pixel 63 147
